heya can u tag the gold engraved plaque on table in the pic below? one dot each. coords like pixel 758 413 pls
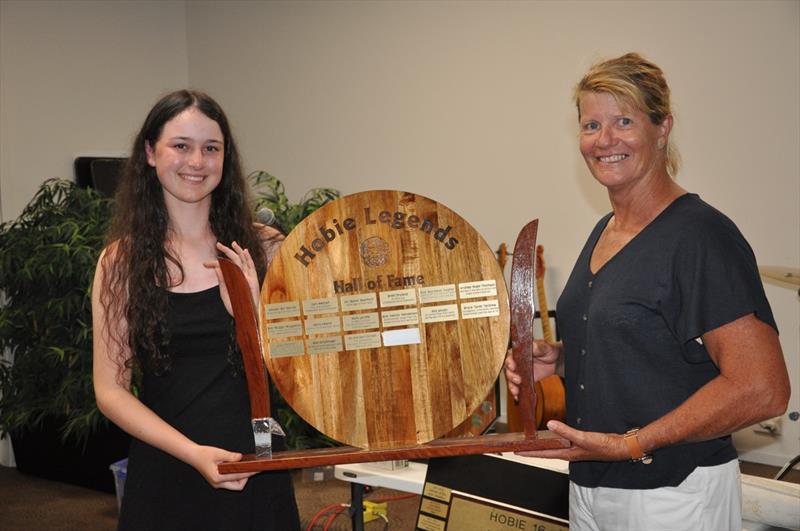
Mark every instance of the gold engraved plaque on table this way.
pixel 474 513
pixel 404 315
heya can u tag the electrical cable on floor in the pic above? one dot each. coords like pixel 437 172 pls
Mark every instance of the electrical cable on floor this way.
pixel 394 498
pixel 339 510
pixel 324 510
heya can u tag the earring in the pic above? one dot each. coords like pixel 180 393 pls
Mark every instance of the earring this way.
pixel 660 143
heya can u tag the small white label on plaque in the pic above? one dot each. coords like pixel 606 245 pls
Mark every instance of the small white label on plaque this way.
pixel 400 317
pixel 284 329
pixel 318 345
pixel 482 288
pixel 405 336
pixel 315 306
pixel 366 301
pixel 399 297
pixel 323 325
pixel 360 341
pixel 279 310
pixel 445 292
pixel 472 310
pixel 437 314
pixel 360 321
pixel 282 349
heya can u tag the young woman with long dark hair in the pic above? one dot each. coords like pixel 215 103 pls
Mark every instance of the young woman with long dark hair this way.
pixel 161 312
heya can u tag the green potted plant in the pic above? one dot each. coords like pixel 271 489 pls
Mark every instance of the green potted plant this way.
pixel 47 261
pixel 271 193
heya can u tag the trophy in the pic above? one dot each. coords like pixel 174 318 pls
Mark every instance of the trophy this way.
pixel 384 322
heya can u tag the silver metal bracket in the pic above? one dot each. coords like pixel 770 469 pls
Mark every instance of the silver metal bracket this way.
pixel 263 429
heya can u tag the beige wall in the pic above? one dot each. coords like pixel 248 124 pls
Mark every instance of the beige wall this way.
pixel 77 78
pixel 465 102
pixel 469 104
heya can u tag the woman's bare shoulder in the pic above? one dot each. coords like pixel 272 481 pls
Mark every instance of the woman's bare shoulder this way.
pixel 110 253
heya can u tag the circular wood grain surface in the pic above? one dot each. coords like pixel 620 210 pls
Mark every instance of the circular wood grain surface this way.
pixel 384 319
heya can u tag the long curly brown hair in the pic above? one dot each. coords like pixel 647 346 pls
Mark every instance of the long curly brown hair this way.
pixel 136 276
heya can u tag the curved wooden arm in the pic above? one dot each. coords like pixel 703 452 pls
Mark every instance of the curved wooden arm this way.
pixel 522 309
pixel 247 337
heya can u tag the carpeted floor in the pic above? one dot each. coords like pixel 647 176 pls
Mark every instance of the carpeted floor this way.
pixel 28 503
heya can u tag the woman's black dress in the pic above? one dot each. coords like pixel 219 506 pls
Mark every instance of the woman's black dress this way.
pixel 204 396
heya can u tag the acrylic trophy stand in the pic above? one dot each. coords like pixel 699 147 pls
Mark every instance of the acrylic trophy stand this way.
pixel 253 345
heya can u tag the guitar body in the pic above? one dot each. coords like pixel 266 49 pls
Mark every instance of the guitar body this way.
pixel 552 398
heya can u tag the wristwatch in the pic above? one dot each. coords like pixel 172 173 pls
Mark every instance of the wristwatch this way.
pixel 637 455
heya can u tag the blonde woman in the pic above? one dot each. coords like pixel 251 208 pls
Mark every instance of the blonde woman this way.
pixel 668 341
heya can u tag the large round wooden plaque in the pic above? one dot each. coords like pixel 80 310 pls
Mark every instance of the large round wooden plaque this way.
pixel 385 319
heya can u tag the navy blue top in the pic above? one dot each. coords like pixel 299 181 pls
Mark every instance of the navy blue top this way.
pixel 630 331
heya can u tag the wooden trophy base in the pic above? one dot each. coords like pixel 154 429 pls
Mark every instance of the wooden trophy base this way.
pixel 492 443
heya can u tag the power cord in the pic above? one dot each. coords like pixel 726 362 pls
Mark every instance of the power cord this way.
pixel 336 512
pixel 339 507
pixel 335 509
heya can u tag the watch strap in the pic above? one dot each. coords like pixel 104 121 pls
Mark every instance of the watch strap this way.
pixel 631 438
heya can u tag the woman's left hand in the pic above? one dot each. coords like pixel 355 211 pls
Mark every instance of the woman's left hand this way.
pixel 268 233
pixel 240 257
pixel 586 445
pixel 206 459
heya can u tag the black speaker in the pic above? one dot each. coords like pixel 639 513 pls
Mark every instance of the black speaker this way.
pixel 100 173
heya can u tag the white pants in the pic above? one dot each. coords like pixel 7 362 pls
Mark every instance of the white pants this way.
pixel 709 499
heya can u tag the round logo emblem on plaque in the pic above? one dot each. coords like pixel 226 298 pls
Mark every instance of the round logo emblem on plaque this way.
pixel 374 251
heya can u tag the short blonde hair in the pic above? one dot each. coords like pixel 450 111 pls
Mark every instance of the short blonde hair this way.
pixel 633 80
